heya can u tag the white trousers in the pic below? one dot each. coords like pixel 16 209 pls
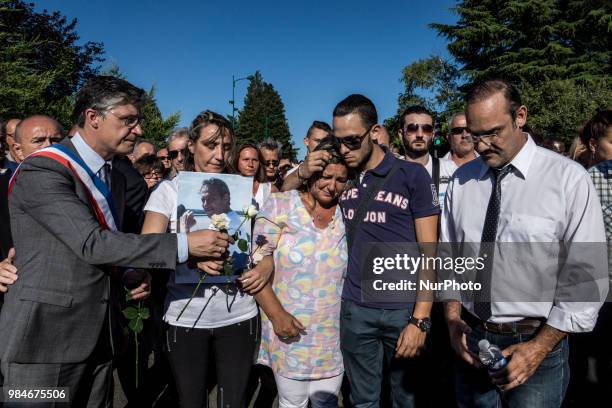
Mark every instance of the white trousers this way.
pixel 322 393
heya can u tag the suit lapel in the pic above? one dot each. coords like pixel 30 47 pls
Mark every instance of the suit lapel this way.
pixel 118 193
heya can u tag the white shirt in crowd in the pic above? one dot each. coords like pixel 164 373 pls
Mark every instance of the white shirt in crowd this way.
pixel 447 168
pixel 547 198
pixel 163 200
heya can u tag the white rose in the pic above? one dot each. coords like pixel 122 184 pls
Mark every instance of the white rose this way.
pixel 220 221
pixel 250 211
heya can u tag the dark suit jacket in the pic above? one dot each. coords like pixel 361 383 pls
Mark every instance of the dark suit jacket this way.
pixel 6 242
pixel 56 310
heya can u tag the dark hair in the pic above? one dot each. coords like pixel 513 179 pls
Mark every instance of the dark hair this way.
pixel 418 109
pixel 318 125
pixel 204 119
pixel 484 89
pixel 331 145
pixel 217 185
pixel 596 127
pixel 149 162
pixel 358 104
pixel 102 93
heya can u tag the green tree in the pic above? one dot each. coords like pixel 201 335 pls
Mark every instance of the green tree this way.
pixel 558 52
pixel 432 82
pixel 41 63
pixel 531 41
pixel 262 101
pixel 154 128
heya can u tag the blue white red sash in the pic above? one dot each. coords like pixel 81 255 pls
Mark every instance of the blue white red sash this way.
pixel 97 192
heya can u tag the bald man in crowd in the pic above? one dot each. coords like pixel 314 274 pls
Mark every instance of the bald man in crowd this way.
pixel 30 135
pixel 35 133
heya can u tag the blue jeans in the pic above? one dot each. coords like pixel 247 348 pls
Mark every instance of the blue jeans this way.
pixel 368 338
pixel 545 388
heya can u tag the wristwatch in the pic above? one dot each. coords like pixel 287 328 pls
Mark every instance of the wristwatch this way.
pixel 424 324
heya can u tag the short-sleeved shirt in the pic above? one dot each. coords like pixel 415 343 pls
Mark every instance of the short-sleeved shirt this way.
pixel 408 195
pixel 309 265
pixel 223 307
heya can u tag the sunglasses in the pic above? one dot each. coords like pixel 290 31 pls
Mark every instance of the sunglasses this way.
pixel 459 130
pixel 173 154
pixel 353 142
pixel 274 163
pixel 163 158
pixel 414 127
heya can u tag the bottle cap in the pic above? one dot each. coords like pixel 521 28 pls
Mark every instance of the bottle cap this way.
pixel 484 344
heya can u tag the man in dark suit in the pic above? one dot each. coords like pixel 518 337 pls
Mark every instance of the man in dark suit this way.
pixel 56 321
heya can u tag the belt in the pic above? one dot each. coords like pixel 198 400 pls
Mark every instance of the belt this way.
pixel 524 326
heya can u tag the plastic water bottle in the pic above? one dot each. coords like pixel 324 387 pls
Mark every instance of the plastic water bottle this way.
pixel 491 356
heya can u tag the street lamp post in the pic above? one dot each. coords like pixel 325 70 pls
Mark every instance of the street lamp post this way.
pixel 233 101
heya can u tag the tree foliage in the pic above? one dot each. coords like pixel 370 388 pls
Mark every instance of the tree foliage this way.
pixel 154 127
pixel 531 41
pixel 558 52
pixel 262 101
pixel 41 63
pixel 432 82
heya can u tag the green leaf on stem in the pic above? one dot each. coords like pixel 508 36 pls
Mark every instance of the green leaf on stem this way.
pixel 136 325
pixel 130 313
pixel 144 313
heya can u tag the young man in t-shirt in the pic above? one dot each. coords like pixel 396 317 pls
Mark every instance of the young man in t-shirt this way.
pixel 376 334
pixel 417 134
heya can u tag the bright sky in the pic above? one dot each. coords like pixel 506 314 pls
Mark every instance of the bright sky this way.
pixel 314 52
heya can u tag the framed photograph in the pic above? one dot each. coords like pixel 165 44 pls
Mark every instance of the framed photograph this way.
pixel 210 201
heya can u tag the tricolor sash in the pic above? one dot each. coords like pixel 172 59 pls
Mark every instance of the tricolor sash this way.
pixel 97 192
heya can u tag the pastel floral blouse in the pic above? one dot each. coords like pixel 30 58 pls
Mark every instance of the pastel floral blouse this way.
pixel 309 268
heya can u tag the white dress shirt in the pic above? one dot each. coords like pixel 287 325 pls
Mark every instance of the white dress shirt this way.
pixel 95 162
pixel 547 198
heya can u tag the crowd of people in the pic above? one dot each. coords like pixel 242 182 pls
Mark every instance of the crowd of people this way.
pixel 94 228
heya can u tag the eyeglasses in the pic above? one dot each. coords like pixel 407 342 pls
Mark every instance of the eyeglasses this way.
pixel 163 158
pixel 414 127
pixel 274 163
pixel 173 154
pixel 459 130
pixel 152 174
pixel 477 139
pixel 353 142
pixel 130 121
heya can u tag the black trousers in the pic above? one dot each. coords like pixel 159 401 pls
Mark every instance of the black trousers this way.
pixel 232 348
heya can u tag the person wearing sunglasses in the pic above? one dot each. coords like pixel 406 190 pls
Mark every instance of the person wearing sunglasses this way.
pixel 460 140
pixel 177 143
pixel 416 133
pixel 270 153
pixel 383 333
pixel 162 154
